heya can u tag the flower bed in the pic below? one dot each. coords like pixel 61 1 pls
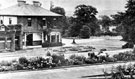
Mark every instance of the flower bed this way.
pixel 58 60
pixel 127 56
pixel 121 72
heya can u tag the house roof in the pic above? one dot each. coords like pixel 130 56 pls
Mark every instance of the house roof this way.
pixel 26 10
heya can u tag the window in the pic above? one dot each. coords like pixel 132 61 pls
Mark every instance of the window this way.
pixel 53 38
pixel 10 21
pixel 1 21
pixel 44 21
pixel 2 28
pixel 29 22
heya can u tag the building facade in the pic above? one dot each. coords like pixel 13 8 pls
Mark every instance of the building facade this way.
pixel 35 22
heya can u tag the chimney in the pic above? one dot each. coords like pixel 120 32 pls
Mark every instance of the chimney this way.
pixel 21 2
pixel 36 3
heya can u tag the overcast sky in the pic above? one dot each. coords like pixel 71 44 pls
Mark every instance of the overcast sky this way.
pixel 104 7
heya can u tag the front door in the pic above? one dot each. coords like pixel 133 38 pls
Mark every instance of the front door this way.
pixel 29 40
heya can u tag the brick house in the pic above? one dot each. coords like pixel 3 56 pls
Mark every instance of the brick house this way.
pixel 35 20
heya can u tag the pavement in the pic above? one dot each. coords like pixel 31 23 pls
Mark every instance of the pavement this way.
pixel 64 73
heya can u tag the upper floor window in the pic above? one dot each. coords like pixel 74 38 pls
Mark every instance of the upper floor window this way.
pixel 2 28
pixel 29 22
pixel 10 21
pixel 54 19
pixel 44 22
pixel 1 21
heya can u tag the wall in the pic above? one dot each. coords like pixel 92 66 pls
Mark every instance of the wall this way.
pixel 35 26
pixel 6 19
pixel 2 44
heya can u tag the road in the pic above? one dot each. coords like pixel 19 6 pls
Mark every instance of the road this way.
pixel 64 73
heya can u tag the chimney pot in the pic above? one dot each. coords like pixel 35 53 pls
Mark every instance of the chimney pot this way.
pixel 21 2
pixel 36 3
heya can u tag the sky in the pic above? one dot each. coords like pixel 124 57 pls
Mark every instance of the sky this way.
pixel 104 7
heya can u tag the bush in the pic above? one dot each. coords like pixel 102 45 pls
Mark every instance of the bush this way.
pixel 23 61
pixel 128 45
pixel 123 72
pixel 77 60
pixel 90 61
pixel 58 59
pixel 5 63
pixel 18 66
pixel 36 63
pixel 74 49
pixel 127 56
pixel 47 44
pixel 80 58
pixel 48 54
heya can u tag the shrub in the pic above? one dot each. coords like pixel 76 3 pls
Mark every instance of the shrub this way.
pixel 77 60
pixel 36 63
pixel 47 44
pixel 127 56
pixel 58 59
pixel 74 49
pixel 23 61
pixel 18 66
pixel 48 54
pixel 90 61
pixel 5 63
pixel 128 45
pixel 123 72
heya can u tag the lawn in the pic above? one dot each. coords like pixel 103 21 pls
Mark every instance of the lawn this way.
pixel 109 43
pixel 103 42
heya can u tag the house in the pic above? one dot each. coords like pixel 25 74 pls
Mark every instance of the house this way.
pixel 35 22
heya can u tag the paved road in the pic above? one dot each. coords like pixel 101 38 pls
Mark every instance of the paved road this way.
pixel 65 73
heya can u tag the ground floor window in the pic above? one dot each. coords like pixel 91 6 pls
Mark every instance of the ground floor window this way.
pixel 53 38
pixel 57 38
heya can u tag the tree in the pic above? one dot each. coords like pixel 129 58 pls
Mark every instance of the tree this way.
pixel 58 10
pixel 85 32
pixel 127 21
pixel 105 22
pixel 62 23
pixel 84 15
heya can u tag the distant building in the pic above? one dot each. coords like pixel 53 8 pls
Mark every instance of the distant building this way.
pixel 110 28
pixel 35 22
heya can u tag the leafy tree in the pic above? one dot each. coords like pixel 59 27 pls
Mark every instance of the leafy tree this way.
pixel 58 10
pixel 74 29
pixel 85 32
pixel 83 15
pixel 62 22
pixel 126 21
pixel 105 22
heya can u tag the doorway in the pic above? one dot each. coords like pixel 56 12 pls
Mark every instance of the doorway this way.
pixel 29 40
pixel 17 43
